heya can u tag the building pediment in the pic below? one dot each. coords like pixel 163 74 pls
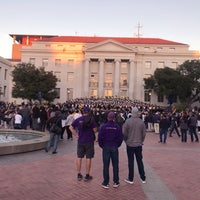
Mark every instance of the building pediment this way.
pixel 108 46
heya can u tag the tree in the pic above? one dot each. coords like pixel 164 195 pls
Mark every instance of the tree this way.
pixel 33 83
pixel 191 71
pixel 169 82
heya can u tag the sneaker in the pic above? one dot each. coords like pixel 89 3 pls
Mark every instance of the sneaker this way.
pixel 143 181
pixel 88 177
pixel 79 177
pixel 103 185
pixel 128 181
pixel 115 185
pixel 54 152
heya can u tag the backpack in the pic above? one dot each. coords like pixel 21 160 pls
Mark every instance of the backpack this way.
pixel 55 128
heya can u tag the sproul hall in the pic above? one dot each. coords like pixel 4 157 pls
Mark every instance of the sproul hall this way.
pixel 99 66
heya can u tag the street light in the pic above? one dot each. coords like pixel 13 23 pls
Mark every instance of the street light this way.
pixel 150 96
pixel 68 93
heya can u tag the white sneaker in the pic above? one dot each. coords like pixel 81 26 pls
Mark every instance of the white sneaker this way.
pixel 128 181
pixel 143 181
pixel 104 186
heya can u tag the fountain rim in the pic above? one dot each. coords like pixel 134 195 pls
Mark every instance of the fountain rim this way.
pixel 24 145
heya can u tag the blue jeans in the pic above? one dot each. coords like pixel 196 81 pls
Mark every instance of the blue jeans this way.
pixel 54 138
pixel 193 133
pixel 137 152
pixel 163 132
pixel 184 135
pixel 110 153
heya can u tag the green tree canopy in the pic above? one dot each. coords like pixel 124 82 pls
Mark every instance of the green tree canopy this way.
pixel 191 71
pixel 32 83
pixel 170 83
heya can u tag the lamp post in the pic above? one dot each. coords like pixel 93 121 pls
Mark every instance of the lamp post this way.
pixel 68 93
pixel 150 96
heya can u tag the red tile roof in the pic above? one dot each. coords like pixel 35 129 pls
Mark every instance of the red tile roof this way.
pixel 95 39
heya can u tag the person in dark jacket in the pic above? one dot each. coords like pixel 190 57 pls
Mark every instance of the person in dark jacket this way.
pixel 54 136
pixel 174 125
pixel 110 139
pixel 164 125
pixel 43 118
pixel 184 126
pixel 192 123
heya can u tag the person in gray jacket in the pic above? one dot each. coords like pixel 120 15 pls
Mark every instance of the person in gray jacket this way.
pixel 134 132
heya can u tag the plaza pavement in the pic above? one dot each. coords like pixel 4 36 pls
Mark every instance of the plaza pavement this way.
pixel 172 170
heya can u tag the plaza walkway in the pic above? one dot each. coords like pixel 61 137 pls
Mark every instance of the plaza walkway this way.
pixel 172 169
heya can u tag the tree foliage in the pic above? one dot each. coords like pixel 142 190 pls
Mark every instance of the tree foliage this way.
pixel 29 81
pixel 170 83
pixel 191 71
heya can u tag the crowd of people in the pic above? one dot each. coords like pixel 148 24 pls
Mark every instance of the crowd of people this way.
pixel 157 119
pixel 109 121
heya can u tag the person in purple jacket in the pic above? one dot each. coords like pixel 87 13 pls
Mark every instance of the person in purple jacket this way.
pixel 84 128
pixel 110 139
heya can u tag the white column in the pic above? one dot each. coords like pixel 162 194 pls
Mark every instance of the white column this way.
pixel 101 78
pixel 131 80
pixel 116 78
pixel 86 79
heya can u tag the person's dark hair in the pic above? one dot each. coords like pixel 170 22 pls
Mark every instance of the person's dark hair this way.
pixel 87 121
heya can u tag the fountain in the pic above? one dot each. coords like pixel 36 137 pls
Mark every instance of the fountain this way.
pixel 19 141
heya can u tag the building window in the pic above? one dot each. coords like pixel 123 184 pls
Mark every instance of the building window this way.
pixel 147 75
pixel 161 64
pixel 174 65
pixel 172 49
pixel 5 74
pixel 70 77
pixel 108 80
pixel 70 62
pixel 148 64
pixel 108 93
pixel 57 90
pixel 69 93
pixel 32 61
pixel 159 48
pixel 1 92
pixel 44 62
pixel 94 80
pixel 123 93
pixel 124 64
pixel 58 76
pixel 57 62
pixel 93 93
pixel 147 95
pixel 4 91
pixel 123 79
pixel 160 98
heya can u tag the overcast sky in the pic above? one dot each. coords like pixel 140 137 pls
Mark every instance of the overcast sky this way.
pixel 176 20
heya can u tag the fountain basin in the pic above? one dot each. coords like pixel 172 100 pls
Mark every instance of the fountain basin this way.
pixel 20 141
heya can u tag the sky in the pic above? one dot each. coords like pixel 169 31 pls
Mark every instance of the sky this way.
pixel 175 20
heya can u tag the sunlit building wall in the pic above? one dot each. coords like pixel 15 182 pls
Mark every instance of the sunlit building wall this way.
pixel 105 66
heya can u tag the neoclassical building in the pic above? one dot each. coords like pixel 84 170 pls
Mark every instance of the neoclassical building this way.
pixel 101 66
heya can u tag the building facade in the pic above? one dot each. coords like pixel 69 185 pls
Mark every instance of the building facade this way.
pixel 5 80
pixel 105 66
